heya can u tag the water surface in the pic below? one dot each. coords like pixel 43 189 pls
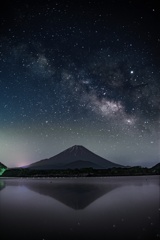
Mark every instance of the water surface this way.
pixel 80 208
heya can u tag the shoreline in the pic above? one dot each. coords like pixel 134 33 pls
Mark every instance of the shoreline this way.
pixel 86 172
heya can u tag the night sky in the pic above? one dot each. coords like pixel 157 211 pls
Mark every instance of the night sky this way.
pixel 84 73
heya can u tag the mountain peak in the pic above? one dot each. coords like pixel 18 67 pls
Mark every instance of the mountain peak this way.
pixel 76 148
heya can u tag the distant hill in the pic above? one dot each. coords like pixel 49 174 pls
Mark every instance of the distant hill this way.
pixel 2 165
pixel 2 168
pixel 156 168
pixel 72 158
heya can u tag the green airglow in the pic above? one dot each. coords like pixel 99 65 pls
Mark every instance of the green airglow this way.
pixel 2 170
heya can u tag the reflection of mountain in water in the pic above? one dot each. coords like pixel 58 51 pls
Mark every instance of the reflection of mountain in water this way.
pixel 74 195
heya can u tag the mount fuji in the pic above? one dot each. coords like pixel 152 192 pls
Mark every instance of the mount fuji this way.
pixel 76 157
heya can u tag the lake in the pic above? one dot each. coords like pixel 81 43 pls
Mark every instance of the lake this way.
pixel 80 208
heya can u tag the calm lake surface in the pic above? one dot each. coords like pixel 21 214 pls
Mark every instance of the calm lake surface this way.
pixel 80 208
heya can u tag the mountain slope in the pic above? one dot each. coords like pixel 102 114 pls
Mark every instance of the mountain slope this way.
pixel 157 166
pixel 74 157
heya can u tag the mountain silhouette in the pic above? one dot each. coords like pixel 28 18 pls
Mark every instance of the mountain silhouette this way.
pixel 72 158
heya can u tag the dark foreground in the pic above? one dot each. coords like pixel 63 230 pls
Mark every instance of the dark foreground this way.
pixel 80 208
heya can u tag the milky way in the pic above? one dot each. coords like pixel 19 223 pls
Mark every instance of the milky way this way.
pixel 80 73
